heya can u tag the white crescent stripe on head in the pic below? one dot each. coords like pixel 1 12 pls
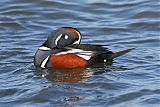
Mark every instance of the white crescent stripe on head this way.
pixel 58 38
pixel 44 62
pixel 79 36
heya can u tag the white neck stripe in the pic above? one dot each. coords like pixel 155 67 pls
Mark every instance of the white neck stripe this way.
pixel 44 48
pixel 44 62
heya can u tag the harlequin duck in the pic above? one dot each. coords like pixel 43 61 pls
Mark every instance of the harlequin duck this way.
pixel 62 50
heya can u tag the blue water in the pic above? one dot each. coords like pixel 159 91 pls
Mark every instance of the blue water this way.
pixel 132 80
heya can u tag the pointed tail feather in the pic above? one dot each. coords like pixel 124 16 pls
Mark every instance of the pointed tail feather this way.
pixel 120 53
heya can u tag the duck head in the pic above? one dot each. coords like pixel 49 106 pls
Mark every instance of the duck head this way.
pixel 62 37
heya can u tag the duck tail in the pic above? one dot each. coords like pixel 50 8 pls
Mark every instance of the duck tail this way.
pixel 120 53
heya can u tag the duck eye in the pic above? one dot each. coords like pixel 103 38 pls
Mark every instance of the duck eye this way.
pixel 66 36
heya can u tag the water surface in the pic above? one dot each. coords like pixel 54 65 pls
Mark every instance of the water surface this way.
pixel 132 80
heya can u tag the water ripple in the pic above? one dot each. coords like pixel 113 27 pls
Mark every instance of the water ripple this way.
pixel 130 80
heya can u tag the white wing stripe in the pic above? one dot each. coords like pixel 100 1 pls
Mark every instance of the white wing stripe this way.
pixel 44 48
pixel 81 53
pixel 84 56
pixel 76 51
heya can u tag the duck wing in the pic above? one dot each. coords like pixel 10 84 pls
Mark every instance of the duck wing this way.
pixel 90 47
pixel 97 53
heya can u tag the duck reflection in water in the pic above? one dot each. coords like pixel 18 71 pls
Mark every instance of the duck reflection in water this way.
pixel 73 75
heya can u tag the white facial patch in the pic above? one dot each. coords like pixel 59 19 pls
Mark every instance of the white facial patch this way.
pixel 58 38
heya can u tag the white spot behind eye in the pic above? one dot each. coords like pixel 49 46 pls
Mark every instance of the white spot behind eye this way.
pixel 66 36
